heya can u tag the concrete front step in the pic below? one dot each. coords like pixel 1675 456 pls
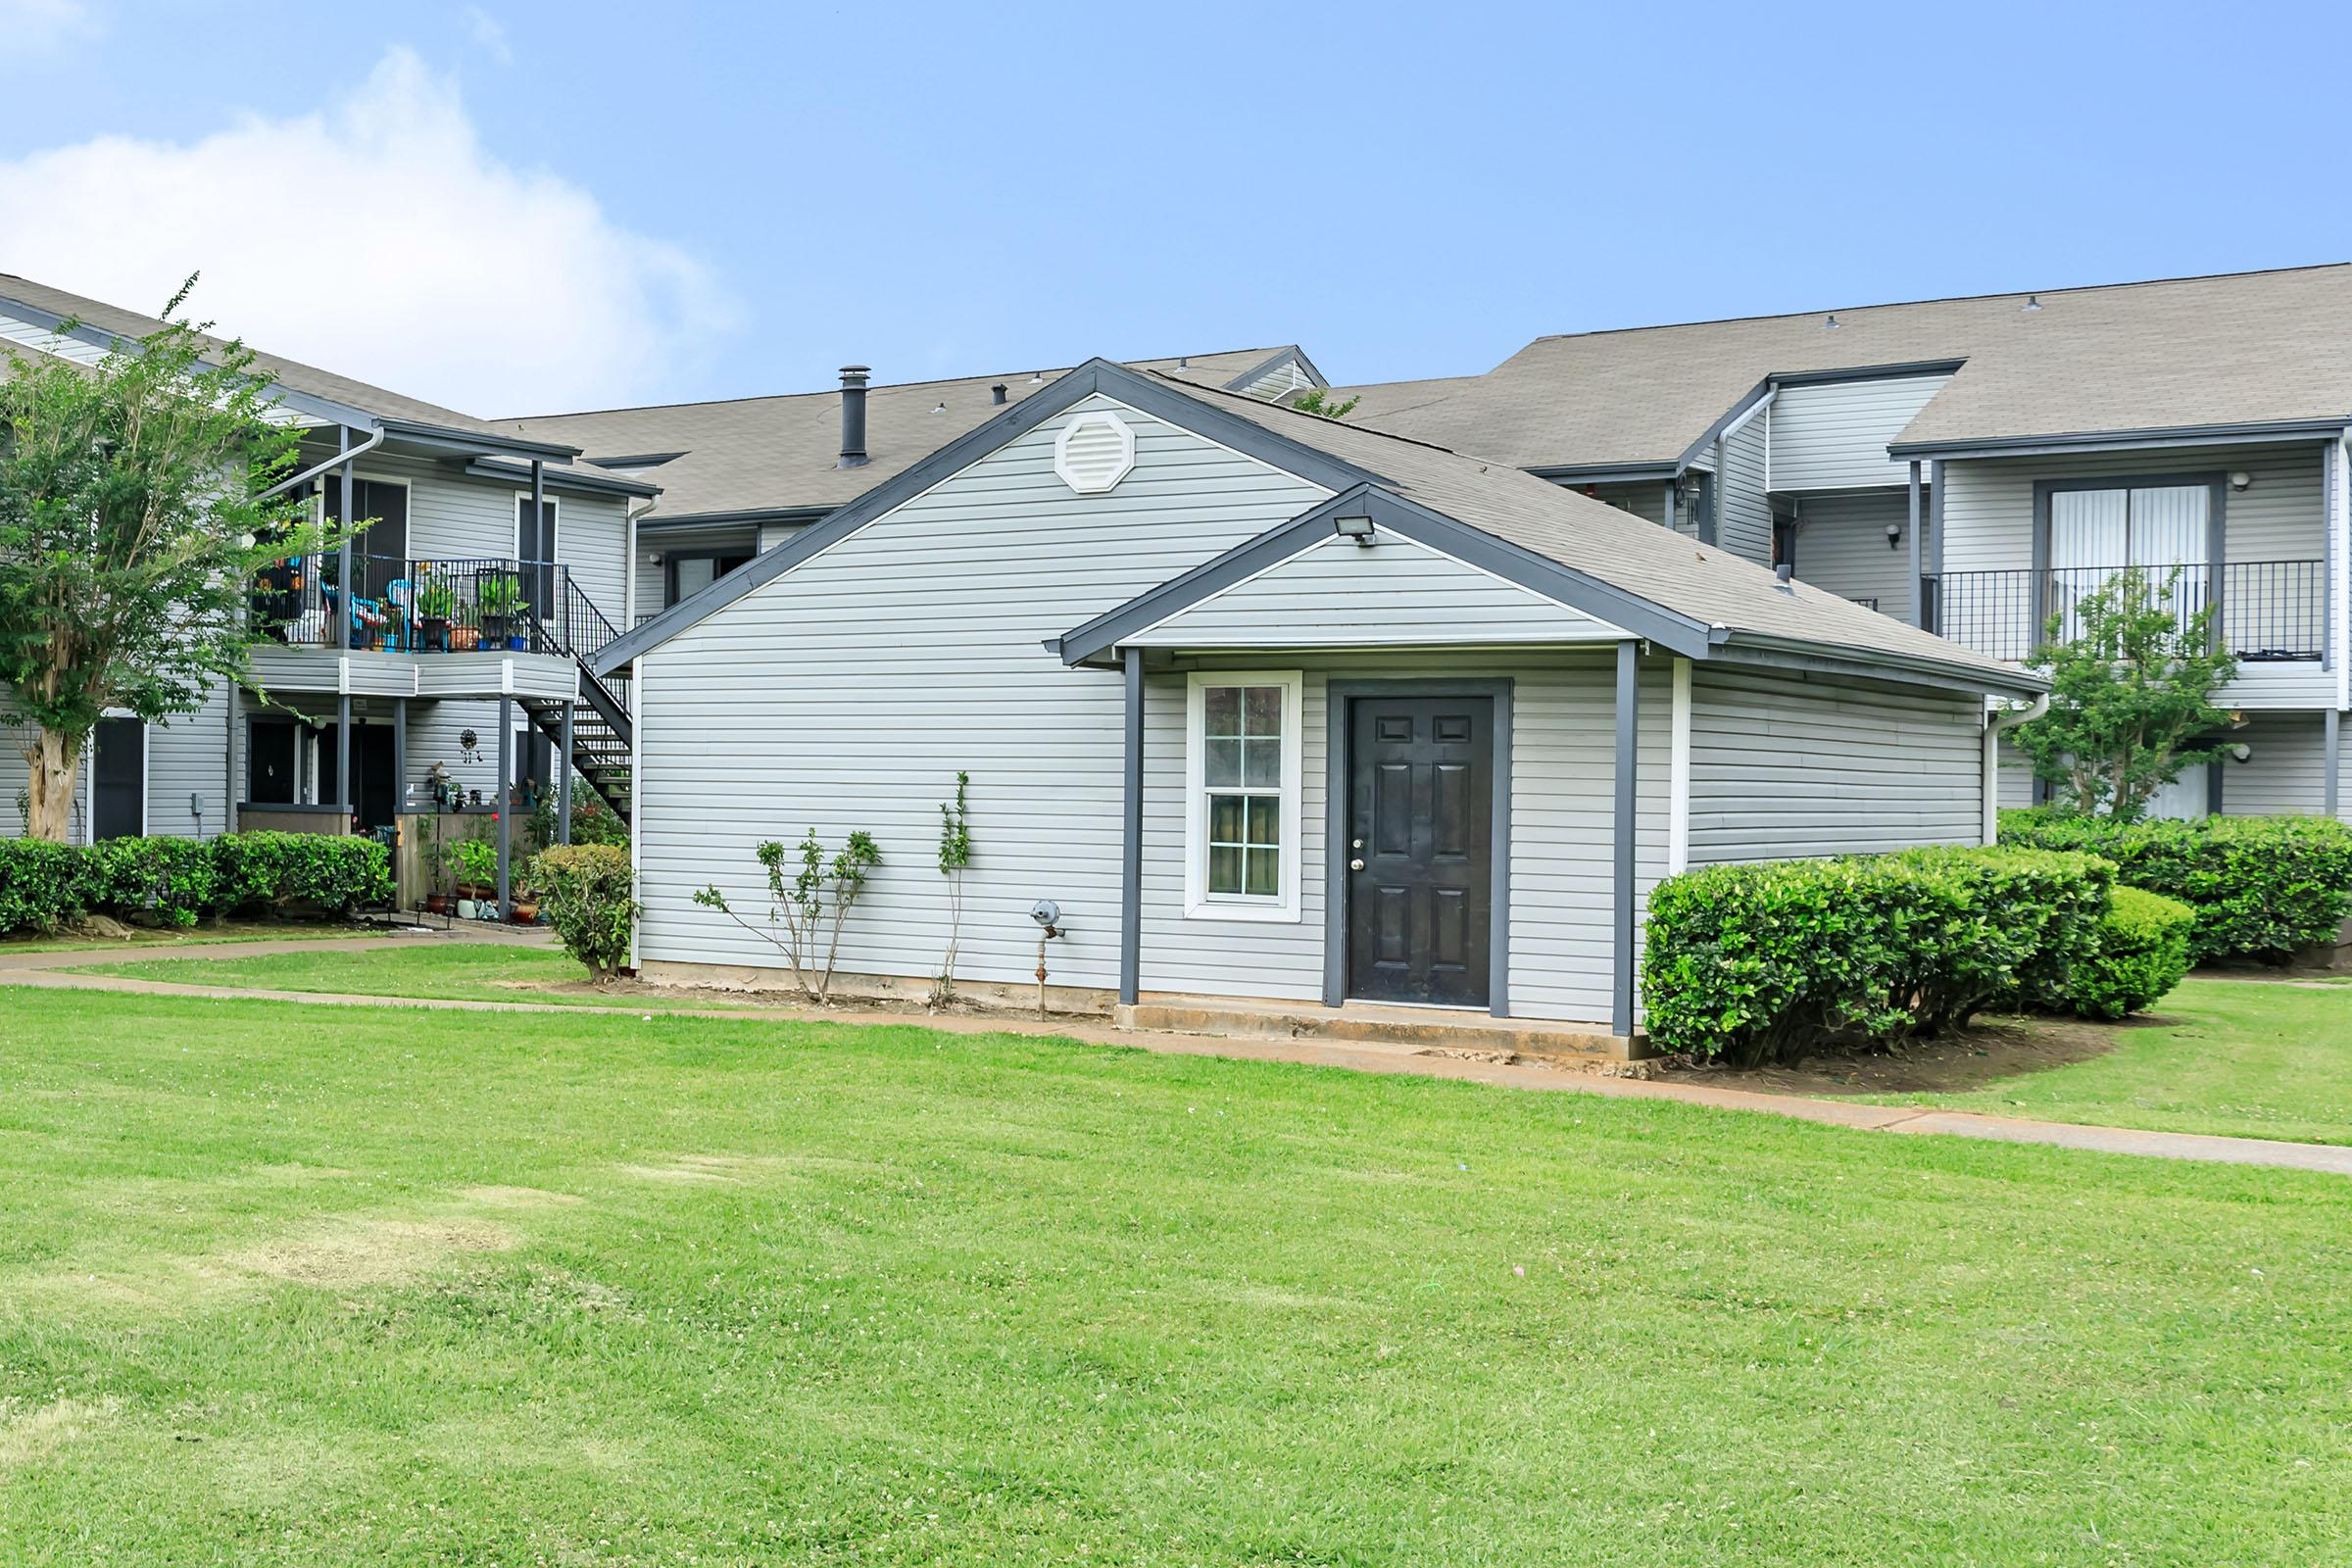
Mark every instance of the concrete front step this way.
pixel 1373 1023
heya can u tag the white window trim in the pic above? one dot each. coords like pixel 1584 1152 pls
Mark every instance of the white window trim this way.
pixel 1199 905
pixel 555 503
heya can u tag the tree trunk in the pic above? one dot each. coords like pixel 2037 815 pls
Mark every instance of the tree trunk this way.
pixel 53 761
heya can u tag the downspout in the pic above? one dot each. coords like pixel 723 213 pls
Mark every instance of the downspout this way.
pixel 1995 725
pixel 335 462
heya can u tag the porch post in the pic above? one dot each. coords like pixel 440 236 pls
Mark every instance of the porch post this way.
pixel 506 802
pixel 400 758
pixel 1131 846
pixel 1629 697
pixel 1918 561
pixel 344 586
pixel 2331 791
pixel 563 781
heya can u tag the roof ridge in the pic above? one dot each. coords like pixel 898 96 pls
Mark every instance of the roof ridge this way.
pixel 1324 419
pixel 1936 299
pixel 1050 372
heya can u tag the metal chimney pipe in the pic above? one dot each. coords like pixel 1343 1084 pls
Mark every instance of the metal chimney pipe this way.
pixel 996 394
pixel 853 416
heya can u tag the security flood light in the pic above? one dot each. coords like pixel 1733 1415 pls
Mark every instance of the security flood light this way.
pixel 1358 529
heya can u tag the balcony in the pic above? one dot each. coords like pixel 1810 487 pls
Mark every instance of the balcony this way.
pixel 415 605
pixel 2271 612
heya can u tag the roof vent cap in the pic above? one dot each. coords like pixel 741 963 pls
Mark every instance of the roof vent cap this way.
pixel 1093 453
pixel 1832 323
pixel 996 394
pixel 2032 303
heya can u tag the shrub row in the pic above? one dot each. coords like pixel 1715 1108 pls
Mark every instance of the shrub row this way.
pixel 1754 963
pixel 2141 953
pixel 2262 887
pixel 180 881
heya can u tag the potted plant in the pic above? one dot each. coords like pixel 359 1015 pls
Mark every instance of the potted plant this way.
pixel 436 601
pixel 477 873
pixel 499 600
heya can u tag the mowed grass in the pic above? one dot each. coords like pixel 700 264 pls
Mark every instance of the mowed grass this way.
pixel 2246 1059
pixel 291 1285
pixel 142 938
pixel 463 972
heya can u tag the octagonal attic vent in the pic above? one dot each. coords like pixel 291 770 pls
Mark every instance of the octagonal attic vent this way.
pixel 1093 453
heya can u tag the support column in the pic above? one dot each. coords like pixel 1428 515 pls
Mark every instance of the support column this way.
pixel 400 756
pixel 1629 699
pixel 1918 564
pixel 564 780
pixel 2331 791
pixel 505 803
pixel 1131 843
pixel 1678 790
pixel 344 585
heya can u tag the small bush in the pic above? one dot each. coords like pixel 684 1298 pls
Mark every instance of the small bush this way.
pixel 45 885
pixel 2262 887
pixel 1757 964
pixel 585 896
pixel 180 881
pixel 2142 954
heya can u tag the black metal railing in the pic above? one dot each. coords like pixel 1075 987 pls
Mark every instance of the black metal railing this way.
pixel 410 603
pixel 2270 611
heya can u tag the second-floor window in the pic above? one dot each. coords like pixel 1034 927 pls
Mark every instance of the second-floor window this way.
pixel 2153 527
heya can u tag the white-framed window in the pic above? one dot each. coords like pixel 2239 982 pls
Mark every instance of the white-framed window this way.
pixel 1244 734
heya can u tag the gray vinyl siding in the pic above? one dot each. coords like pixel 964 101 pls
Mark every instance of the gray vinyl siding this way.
pixel 1834 435
pixel 1989 526
pixel 2016 779
pixel 592 541
pixel 852 688
pixel 434 731
pixel 1396 592
pixel 1745 527
pixel 188 756
pixel 1646 500
pixel 1841 547
pixel 1562 865
pixel 1785 766
pixel 2285 770
pixel 1281 378
pixel 455 518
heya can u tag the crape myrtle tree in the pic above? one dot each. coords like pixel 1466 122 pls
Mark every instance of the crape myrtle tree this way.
pixel 134 512
pixel 2131 697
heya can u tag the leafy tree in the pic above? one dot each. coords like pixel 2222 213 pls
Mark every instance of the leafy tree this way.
pixel 134 512
pixel 2132 693
pixel 1320 400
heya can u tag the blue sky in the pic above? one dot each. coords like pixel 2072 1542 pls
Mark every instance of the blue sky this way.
pixel 736 200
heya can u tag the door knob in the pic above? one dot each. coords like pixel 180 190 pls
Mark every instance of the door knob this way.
pixel 1356 864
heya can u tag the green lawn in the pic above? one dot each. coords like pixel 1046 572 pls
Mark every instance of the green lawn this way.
pixel 285 1286
pixel 487 972
pixel 142 940
pixel 2245 1059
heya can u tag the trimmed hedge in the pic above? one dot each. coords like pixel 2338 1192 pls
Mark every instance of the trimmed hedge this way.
pixel 181 881
pixel 2263 887
pixel 585 895
pixel 1756 963
pixel 2143 952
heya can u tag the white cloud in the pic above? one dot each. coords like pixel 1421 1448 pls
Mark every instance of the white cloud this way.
pixel 378 239
pixel 488 35
pixel 35 27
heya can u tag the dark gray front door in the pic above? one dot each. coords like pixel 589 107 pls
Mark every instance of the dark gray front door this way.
pixel 1420 841
pixel 119 781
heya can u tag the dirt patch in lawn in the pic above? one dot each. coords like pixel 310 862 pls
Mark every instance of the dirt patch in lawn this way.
pixel 31 1433
pixel 372 1251
pixel 1991 1049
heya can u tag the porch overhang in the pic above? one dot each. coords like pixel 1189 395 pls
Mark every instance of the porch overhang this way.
pixel 362 672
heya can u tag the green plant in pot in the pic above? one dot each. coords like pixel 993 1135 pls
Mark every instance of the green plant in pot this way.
pixel 478 870
pixel 498 598
pixel 436 603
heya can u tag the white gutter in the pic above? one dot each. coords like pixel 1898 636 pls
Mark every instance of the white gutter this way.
pixel 335 462
pixel 1995 725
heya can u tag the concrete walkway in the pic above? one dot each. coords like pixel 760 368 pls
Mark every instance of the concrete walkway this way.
pixel 55 971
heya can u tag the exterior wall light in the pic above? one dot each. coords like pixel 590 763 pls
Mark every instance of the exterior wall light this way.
pixel 1358 529
pixel 2241 480
pixel 1894 536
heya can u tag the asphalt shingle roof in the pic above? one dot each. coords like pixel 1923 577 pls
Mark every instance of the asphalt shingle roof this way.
pixel 778 454
pixel 2241 349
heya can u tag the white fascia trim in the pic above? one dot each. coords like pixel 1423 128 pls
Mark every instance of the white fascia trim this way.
pixel 1197 903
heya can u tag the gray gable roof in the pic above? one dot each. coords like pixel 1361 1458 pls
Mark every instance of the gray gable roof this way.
pixel 770 457
pixel 294 376
pixel 2246 349
pixel 1594 557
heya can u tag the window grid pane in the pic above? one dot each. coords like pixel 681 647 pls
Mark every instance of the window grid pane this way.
pixel 1242 768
